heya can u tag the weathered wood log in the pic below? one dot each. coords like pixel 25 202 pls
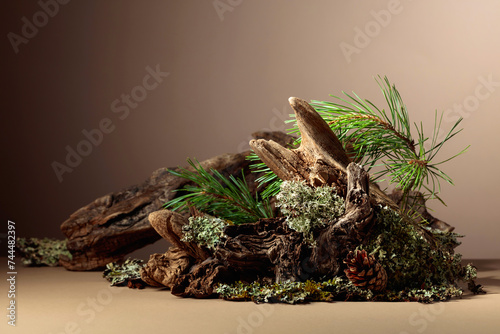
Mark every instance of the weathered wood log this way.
pixel 266 251
pixel 116 224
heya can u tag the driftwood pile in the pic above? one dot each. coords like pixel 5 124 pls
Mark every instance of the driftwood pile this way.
pixel 267 250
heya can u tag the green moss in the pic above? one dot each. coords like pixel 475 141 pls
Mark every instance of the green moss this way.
pixel 41 252
pixel 205 230
pixel 308 208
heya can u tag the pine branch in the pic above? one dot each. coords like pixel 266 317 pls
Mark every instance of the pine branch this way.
pixel 381 138
pixel 214 194
pixel 383 124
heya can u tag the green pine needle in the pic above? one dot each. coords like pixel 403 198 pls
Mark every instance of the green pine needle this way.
pixel 270 180
pixel 383 138
pixel 227 198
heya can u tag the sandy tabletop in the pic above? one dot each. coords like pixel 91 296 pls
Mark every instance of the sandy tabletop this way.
pixel 53 300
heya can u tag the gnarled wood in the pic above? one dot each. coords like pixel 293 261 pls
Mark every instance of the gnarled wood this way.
pixel 265 250
pixel 319 160
pixel 270 251
pixel 337 239
pixel 165 269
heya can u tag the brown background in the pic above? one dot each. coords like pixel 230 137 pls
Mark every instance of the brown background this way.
pixel 229 78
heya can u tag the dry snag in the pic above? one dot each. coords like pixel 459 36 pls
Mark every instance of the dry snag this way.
pixel 269 250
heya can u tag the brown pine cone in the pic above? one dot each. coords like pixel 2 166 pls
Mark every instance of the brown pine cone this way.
pixel 364 271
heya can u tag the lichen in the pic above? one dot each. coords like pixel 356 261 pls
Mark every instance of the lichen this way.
pixel 411 261
pixel 338 288
pixel 41 252
pixel 205 230
pixel 418 268
pixel 120 274
pixel 285 292
pixel 308 208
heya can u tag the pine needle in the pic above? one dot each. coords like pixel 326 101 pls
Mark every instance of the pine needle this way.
pixel 381 138
pixel 214 194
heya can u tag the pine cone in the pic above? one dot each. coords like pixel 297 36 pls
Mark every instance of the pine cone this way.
pixel 364 271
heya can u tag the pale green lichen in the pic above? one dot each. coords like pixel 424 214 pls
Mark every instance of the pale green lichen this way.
pixel 120 274
pixel 308 208
pixel 409 259
pixel 418 269
pixel 469 272
pixel 41 252
pixel 204 230
pixel 285 292
pixel 338 288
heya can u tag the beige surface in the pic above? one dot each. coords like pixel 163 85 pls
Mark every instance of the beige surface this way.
pixel 53 300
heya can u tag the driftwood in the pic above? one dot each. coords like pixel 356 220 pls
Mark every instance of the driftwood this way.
pixel 269 250
pixel 165 269
pixel 116 224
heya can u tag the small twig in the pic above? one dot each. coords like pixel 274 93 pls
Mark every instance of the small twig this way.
pixel 226 198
